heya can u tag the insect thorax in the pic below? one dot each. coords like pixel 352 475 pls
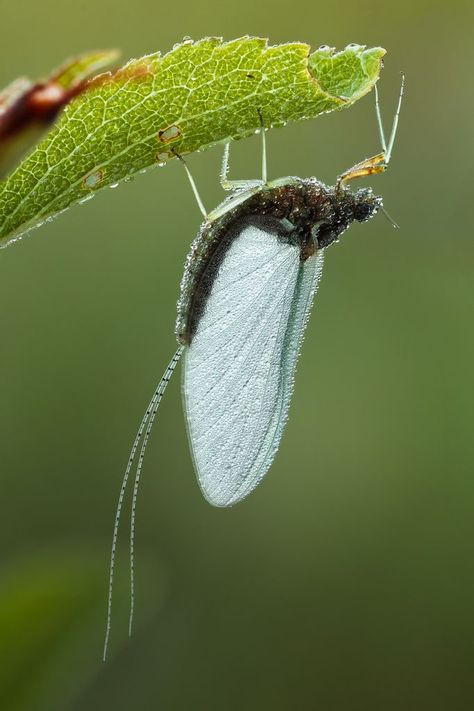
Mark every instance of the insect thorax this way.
pixel 303 212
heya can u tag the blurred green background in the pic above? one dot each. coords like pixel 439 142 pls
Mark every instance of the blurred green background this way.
pixel 346 580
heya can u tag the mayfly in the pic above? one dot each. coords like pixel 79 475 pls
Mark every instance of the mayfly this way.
pixel 247 290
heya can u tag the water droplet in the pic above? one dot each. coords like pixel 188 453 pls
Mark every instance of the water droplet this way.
pixel 114 185
pixel 86 198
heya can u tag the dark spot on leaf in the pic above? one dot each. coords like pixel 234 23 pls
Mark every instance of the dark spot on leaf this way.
pixel 169 134
pixel 93 179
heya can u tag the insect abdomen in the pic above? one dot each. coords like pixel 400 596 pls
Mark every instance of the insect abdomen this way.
pixel 289 210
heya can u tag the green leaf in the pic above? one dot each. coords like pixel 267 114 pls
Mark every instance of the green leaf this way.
pixel 197 95
pixel 76 70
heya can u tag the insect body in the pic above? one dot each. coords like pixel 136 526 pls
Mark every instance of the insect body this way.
pixel 246 293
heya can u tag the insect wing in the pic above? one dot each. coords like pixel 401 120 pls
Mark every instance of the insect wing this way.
pixel 239 369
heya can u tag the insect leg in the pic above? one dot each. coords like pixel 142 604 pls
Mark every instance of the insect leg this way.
pixel 383 142
pixel 264 149
pixel 234 184
pixel 193 184
pixel 226 184
pixel 388 153
pixel 369 166
pixel 379 162
pixel 244 184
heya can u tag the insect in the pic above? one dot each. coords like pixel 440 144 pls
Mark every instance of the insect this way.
pixel 247 290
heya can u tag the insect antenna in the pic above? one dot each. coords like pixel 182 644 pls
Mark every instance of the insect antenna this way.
pixel 159 392
pixel 389 218
pixel 150 411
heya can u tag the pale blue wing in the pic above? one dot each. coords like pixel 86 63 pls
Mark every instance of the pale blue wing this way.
pixel 238 371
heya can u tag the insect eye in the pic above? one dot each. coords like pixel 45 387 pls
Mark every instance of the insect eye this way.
pixel 365 205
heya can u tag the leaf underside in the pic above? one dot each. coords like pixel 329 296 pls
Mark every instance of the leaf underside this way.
pixel 197 95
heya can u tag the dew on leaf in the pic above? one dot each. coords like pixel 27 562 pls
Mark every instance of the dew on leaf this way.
pixel 86 198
